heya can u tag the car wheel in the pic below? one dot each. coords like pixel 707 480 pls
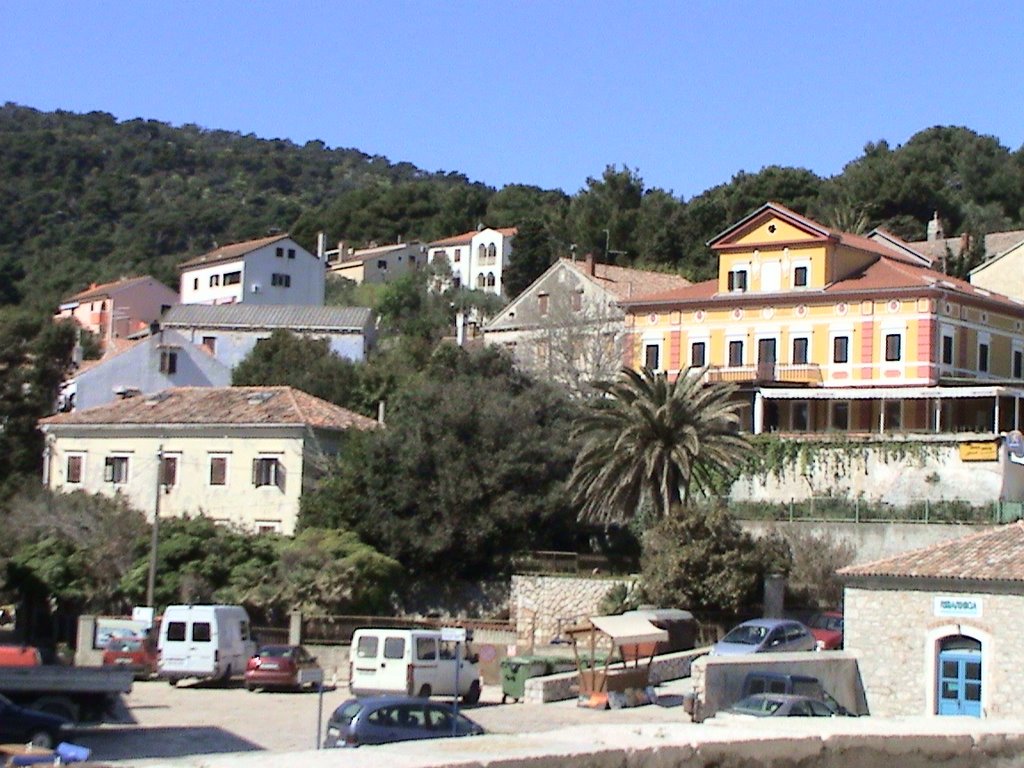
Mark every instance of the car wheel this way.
pixel 425 691
pixel 42 739
pixel 472 696
pixel 173 682
pixel 250 687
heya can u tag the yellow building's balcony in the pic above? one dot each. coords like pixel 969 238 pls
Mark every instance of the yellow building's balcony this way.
pixel 804 373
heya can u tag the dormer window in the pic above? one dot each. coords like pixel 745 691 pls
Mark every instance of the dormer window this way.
pixel 738 280
pixel 800 277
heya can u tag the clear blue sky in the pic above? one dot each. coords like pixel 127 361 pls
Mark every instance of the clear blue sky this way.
pixel 536 92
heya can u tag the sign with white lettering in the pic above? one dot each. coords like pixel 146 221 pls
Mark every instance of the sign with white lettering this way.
pixel 964 606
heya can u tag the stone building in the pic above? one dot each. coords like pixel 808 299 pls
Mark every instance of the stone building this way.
pixel 937 630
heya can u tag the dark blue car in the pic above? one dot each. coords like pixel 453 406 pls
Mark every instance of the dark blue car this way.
pixel 387 719
pixel 27 726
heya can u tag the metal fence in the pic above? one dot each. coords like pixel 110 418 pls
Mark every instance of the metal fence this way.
pixel 835 509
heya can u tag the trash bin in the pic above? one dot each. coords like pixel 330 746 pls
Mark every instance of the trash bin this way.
pixel 516 670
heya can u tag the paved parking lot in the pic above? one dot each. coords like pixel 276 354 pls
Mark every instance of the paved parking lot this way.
pixel 198 719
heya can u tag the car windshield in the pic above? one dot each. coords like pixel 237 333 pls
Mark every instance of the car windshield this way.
pixel 347 711
pixel 832 623
pixel 757 705
pixel 746 635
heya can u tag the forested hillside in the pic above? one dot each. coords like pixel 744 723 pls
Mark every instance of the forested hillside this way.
pixel 85 198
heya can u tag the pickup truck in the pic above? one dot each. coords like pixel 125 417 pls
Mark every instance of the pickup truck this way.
pixel 79 694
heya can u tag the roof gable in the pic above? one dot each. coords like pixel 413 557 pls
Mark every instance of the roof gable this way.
pixel 993 555
pixel 771 224
pixel 233 251
pixel 105 290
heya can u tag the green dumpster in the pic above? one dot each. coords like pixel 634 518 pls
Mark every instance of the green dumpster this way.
pixel 516 670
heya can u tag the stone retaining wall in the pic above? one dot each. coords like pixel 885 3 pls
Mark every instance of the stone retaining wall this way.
pixel 543 606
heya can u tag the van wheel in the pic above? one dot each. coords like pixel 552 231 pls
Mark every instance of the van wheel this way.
pixel 172 681
pixel 472 696
pixel 425 692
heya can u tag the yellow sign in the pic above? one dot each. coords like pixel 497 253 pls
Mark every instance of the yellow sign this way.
pixel 979 451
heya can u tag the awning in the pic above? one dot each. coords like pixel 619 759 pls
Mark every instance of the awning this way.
pixel 629 630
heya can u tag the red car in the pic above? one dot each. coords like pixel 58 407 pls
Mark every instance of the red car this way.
pixel 827 628
pixel 282 666
pixel 137 653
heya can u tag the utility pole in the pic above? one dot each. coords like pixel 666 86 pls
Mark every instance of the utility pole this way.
pixel 151 581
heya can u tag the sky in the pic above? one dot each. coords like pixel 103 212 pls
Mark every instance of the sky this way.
pixel 539 92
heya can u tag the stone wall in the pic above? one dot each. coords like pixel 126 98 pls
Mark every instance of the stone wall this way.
pixel 896 635
pixel 541 607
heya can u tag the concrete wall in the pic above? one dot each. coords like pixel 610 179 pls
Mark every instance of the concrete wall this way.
pixel 542 606
pixel 897 633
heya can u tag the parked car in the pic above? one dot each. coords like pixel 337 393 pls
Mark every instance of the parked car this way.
pixel 282 666
pixel 28 726
pixel 827 628
pixel 135 652
pixel 765 636
pixel 386 719
pixel 780 705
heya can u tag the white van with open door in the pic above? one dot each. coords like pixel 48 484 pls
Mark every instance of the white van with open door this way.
pixel 208 642
pixel 417 662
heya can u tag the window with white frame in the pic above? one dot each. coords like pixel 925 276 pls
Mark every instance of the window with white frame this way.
pixel 841 349
pixel 801 274
pixel 801 350
pixel 735 353
pixel 169 472
pixel 652 356
pixel 218 470
pixel 698 354
pixel 268 471
pixel 214 281
pixel 893 347
pixel 76 469
pixel 115 470
pixel 738 279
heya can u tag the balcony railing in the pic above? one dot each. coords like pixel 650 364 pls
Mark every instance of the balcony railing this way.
pixel 805 373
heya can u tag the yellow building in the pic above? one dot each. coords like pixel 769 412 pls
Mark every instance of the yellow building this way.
pixel 824 330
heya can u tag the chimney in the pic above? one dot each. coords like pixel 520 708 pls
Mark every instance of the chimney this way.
pixel 588 261
pixel 321 245
pixel 965 243
pixel 479 226
pixel 935 229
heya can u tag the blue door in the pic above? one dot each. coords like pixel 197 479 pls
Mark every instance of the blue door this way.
pixel 960 682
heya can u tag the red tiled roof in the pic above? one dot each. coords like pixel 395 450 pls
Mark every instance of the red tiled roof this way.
pixel 994 555
pixel 104 290
pixel 694 292
pixel 264 406
pixel 626 282
pixel 231 251
pixel 467 237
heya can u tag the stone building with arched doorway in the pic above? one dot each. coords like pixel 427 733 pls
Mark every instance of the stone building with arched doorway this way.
pixel 938 630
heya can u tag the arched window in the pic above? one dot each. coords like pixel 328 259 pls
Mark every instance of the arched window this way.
pixel 490 279
pixel 492 252
pixel 480 280
pixel 481 252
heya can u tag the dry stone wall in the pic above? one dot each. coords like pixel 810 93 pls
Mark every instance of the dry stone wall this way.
pixel 541 607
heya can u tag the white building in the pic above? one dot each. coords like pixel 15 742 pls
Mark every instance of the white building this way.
pixel 272 270
pixel 238 455
pixel 477 259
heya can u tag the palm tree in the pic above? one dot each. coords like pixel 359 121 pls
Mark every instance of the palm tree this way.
pixel 652 438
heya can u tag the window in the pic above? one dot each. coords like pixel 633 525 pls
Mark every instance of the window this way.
pixel 652 354
pixel 983 357
pixel 268 526
pixel 168 361
pixel 577 301
pixel 458 255
pixel 947 350
pixel 491 280
pixel 176 631
pixel 394 647
pixel 801 420
pixel 210 343
pixel 232 278
pixel 735 353
pixel 283 281
pixel 382 264
pixel 201 632
pixel 169 471
pixel 279 253
pixel 214 281
pixel 367 648
pixel 195 284
pixel 542 304
pixel 841 349
pixel 481 253
pixel 291 253
pixel 480 280
pixel 893 413
pixel 800 346
pixel 492 253
pixel 698 354
pixel 75 464
pixel 218 470
pixel 738 280
pixel 892 347
pixel 267 471
pixel 841 415
pixel 115 470
pixel 800 277
pixel 1018 364
pixel 426 648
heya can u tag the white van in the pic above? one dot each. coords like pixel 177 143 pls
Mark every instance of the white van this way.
pixel 411 661
pixel 209 642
